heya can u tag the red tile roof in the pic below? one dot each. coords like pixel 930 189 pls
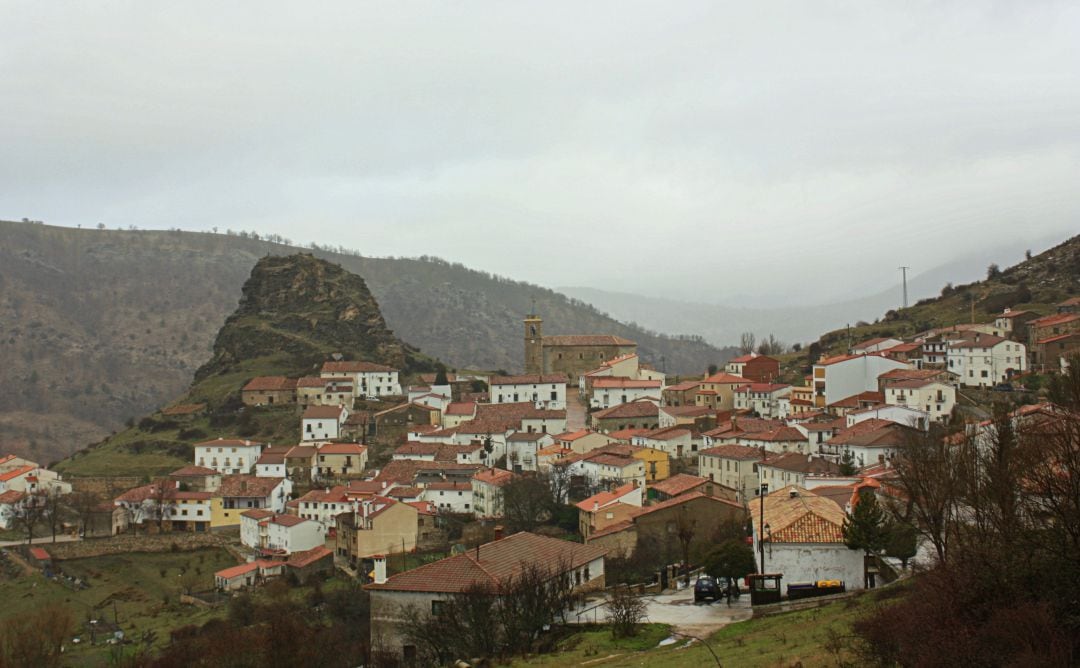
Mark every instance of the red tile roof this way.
pixel 11 496
pixel 16 472
pixel 627 434
pixel 625 383
pixel 493 564
pixel 800 463
pixel 681 499
pixel 678 484
pixel 269 384
pixel 461 408
pixel 724 378
pixel 587 340
pixel 247 486
pixel 980 341
pixel 493 476
pixel 342 449
pixel 785 434
pixel 633 409
pixel 257 513
pixel 802 518
pixel 740 452
pixel 322 412
pixel 604 499
pixel 683 386
pixel 308 557
pixel 667 433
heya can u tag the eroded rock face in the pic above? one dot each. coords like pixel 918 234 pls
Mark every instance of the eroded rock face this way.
pixel 303 309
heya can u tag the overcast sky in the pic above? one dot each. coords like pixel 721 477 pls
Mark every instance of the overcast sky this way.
pixel 701 150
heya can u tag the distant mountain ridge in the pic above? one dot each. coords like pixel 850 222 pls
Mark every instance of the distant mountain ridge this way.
pixel 98 326
pixel 723 324
pixel 296 312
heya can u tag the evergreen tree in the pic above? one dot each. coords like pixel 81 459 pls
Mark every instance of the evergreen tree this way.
pixel 864 527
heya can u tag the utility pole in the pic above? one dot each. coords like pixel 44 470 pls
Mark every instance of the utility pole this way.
pixel 903 271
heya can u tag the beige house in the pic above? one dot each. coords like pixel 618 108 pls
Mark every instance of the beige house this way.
pixel 734 466
pixel 340 460
pixel 583 441
pixel 377 526
pixel 718 391
pixel 487 491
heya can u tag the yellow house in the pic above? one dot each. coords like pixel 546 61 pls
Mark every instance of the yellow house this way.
pixel 239 493
pixel 657 463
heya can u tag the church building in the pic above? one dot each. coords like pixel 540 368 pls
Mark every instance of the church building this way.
pixel 569 354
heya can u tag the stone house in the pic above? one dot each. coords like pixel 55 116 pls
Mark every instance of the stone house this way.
pixel 268 391
pixel 706 518
pixel 392 424
pixel 643 414
pixel 606 508
pixel 569 355
pixel 681 394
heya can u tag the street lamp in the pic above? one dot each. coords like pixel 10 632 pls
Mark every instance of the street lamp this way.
pixel 761 524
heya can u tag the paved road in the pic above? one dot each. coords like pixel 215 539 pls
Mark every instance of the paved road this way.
pixel 41 540
pixel 685 616
pixel 575 409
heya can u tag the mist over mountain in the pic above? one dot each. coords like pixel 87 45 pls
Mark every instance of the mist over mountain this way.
pixel 722 324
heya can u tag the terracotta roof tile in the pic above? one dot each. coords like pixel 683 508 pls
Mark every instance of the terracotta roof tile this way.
pixel 498 562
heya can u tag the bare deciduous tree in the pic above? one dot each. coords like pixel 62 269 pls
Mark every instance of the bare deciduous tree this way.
pixel 625 610
pixel 747 341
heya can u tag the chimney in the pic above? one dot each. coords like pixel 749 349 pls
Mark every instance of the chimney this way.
pixel 793 493
pixel 380 568
pixel 498 532
pixel 384 484
pixel 595 506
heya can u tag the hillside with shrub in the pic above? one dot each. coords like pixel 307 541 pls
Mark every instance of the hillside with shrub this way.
pixel 98 326
pixel 1037 284
pixel 295 313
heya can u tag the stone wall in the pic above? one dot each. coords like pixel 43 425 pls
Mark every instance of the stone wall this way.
pixel 96 547
pixel 102 485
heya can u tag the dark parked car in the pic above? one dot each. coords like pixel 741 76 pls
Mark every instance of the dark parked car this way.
pixel 1003 387
pixel 706 587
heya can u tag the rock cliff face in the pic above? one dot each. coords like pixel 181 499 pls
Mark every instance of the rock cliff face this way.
pixel 301 309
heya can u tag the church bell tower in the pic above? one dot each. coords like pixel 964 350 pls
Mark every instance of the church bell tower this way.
pixel 534 344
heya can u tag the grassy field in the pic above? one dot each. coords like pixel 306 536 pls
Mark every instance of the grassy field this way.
pixel 795 638
pixel 140 591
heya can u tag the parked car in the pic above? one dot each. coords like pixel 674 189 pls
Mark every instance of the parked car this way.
pixel 1003 387
pixel 706 588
